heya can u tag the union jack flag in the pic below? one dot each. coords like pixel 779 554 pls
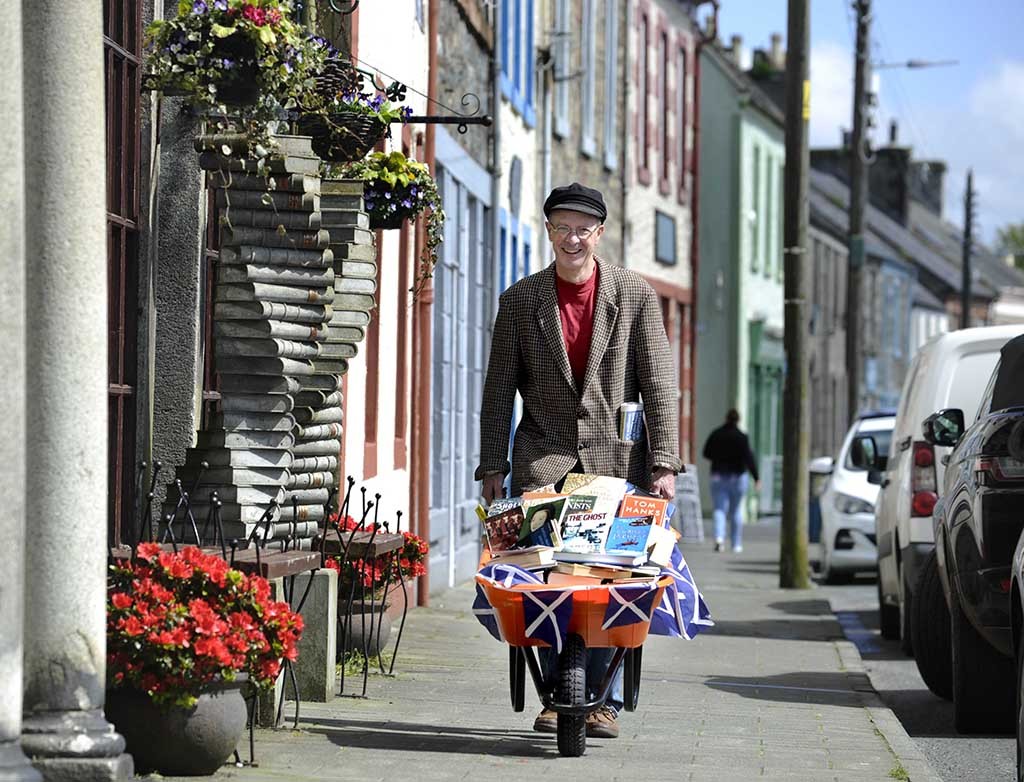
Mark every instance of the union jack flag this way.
pixel 682 612
pixel 629 604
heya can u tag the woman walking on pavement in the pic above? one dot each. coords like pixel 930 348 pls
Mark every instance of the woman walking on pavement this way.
pixel 728 449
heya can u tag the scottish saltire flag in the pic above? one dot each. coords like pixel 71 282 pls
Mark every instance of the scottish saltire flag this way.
pixel 546 614
pixel 508 575
pixel 682 612
pixel 485 614
pixel 629 604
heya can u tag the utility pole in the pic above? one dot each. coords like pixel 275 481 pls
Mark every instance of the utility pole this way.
pixel 858 205
pixel 965 287
pixel 793 568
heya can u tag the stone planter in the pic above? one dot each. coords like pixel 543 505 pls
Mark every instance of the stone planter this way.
pixel 177 741
pixel 357 636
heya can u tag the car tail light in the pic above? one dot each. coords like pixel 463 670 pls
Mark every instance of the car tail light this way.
pixel 922 480
pixel 998 468
pixel 923 503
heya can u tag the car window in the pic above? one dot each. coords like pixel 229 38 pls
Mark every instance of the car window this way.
pixel 986 398
pixel 882 438
pixel 965 390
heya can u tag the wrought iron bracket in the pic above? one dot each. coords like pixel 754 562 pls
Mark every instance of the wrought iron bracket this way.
pixel 463 123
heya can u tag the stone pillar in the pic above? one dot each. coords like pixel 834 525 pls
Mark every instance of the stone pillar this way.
pixel 64 730
pixel 13 763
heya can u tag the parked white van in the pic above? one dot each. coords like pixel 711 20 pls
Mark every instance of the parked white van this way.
pixel 950 370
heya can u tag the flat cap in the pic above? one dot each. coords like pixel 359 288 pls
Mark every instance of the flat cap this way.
pixel 578 198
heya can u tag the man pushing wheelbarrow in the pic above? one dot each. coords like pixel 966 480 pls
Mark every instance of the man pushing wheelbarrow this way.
pixel 583 344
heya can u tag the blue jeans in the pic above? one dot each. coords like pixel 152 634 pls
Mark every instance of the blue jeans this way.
pixel 598 660
pixel 727 491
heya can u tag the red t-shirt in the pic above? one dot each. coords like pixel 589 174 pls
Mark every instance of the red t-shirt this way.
pixel 576 311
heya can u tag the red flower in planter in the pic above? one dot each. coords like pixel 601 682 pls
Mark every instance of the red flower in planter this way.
pixel 178 622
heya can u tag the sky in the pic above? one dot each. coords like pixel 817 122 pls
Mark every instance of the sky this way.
pixel 970 115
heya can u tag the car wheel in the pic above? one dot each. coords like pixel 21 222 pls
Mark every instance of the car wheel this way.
pixel 906 610
pixel 1020 705
pixel 888 617
pixel 929 626
pixel 982 700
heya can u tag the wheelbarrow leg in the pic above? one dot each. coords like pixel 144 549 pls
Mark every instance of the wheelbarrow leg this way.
pixel 517 677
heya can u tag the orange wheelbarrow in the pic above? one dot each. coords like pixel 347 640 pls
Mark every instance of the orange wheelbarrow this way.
pixel 599 615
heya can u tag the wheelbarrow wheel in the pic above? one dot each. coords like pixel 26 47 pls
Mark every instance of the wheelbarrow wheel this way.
pixel 631 678
pixel 517 677
pixel 571 690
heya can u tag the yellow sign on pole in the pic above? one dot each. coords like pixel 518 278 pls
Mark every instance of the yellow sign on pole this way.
pixel 807 100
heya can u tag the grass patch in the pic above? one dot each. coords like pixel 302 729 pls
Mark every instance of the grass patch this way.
pixel 353 663
pixel 898 772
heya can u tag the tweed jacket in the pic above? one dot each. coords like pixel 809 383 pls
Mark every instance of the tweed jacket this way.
pixel 629 359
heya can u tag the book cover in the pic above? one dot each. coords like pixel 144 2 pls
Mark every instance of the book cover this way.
pixel 266 292
pixel 317 448
pixel 278 164
pixel 639 505
pixel 254 199
pixel 600 485
pixel 268 217
pixel 629 534
pixel 311 480
pixel 585 522
pixel 355 285
pixel 500 505
pixel 268 310
pixel 540 523
pixel 300 183
pixel 623 559
pixel 257 329
pixel 502 531
pixel 534 556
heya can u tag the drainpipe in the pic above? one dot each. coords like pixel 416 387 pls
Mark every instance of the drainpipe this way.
pixel 624 160
pixel 496 164
pixel 421 330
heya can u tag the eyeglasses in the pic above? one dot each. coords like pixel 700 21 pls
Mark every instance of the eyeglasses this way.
pixel 563 231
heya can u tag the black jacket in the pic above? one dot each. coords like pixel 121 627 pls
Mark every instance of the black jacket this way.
pixel 729 451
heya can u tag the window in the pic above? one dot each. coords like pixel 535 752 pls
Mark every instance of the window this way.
pixel 780 222
pixel 611 81
pixel 642 141
pixel 755 215
pixel 562 49
pixel 517 67
pixel 588 64
pixel 515 249
pixel 122 46
pixel 666 117
pixel 682 117
pixel 664 238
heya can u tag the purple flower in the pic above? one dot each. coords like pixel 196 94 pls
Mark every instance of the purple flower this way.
pixel 377 102
pixel 227 64
pixel 220 5
pixel 413 190
pixel 387 195
pixel 288 67
pixel 199 7
pixel 407 203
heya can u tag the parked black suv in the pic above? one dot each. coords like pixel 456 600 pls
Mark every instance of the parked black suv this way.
pixel 977 525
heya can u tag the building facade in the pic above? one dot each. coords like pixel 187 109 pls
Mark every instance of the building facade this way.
pixel 740 321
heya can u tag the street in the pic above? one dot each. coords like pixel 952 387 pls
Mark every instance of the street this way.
pixel 926 718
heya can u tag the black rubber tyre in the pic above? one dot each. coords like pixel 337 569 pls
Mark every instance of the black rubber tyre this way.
pixel 906 615
pixel 1020 716
pixel 888 617
pixel 983 699
pixel 517 677
pixel 631 678
pixel 571 690
pixel 929 626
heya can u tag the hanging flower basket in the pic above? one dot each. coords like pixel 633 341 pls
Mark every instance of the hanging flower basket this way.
pixel 396 188
pixel 342 137
pixel 238 62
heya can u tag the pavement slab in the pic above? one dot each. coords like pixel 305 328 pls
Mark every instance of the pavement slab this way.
pixel 774 691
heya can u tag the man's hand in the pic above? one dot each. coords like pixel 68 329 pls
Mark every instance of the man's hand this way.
pixel 663 483
pixel 493 486
pixel 757 486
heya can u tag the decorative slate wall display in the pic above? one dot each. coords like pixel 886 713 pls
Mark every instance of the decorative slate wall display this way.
pixel 291 303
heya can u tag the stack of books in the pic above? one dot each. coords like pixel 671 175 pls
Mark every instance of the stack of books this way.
pixel 594 526
pixel 277 435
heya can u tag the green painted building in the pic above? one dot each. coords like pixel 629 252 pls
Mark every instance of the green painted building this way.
pixel 740 357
